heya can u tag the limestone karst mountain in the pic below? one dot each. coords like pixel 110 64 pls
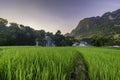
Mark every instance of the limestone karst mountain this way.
pixel 106 25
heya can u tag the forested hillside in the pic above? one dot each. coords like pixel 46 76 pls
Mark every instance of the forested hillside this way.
pixel 100 30
pixel 107 25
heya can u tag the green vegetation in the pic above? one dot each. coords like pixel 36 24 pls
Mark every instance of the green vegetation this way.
pixel 37 63
pixel 103 27
pixel 18 34
pixel 104 63
pixel 59 63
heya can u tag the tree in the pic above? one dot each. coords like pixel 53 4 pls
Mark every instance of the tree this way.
pixel 116 38
pixel 3 22
pixel 59 38
pixel 58 32
pixel 2 39
pixel 98 40
pixel 40 35
pixel 69 40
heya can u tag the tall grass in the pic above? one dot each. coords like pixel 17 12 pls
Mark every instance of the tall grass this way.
pixel 36 63
pixel 104 63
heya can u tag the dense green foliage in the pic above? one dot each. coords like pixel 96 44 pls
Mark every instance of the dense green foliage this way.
pixel 17 34
pixel 104 41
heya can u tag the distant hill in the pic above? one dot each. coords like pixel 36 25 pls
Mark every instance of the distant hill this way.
pixel 106 25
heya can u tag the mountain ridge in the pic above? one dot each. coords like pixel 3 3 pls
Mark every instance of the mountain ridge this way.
pixel 106 25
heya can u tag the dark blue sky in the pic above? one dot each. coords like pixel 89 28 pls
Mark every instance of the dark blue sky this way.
pixel 52 15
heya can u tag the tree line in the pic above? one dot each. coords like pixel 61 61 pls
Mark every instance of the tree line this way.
pixel 96 40
pixel 18 34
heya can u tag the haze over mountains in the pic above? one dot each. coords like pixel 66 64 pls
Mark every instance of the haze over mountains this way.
pixel 106 25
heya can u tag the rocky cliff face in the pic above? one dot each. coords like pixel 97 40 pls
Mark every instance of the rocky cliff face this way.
pixel 106 25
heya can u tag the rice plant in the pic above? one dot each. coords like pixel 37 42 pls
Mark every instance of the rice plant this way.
pixel 104 63
pixel 37 63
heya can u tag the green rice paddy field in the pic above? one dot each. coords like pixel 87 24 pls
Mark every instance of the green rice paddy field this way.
pixel 59 63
